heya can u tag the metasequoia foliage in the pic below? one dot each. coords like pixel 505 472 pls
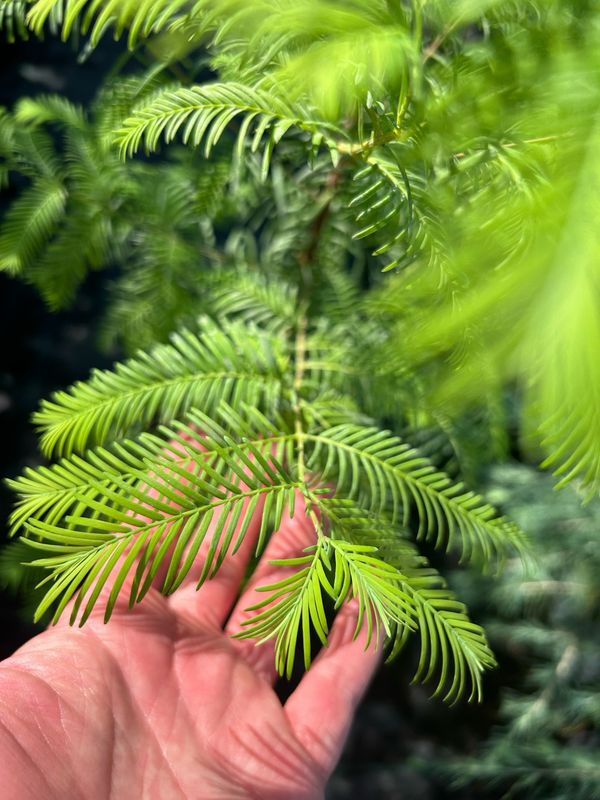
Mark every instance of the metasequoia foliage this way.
pixel 545 742
pixel 453 145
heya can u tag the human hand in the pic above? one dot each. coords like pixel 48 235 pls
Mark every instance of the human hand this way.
pixel 161 703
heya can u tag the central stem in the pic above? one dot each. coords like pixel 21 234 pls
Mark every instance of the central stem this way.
pixel 307 259
pixel 300 353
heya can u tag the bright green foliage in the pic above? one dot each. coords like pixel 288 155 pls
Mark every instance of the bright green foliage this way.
pixel 223 364
pixel 279 442
pixel 546 742
pixel 452 142
pixel 203 113
pixel 175 510
pixel 395 472
pixel 88 16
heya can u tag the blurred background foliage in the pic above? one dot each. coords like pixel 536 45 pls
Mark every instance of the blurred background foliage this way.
pixel 472 128
pixel 546 619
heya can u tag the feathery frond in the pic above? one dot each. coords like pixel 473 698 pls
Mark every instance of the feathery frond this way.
pixel 52 493
pixel 92 17
pixel 49 493
pixel 300 611
pixel 202 113
pixel 221 363
pixel 454 650
pixel 256 301
pixel 382 472
pixel 29 222
pixel 38 111
pixel 384 206
pixel 136 530
pixel 296 603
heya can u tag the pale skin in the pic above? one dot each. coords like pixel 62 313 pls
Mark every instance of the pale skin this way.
pixel 162 704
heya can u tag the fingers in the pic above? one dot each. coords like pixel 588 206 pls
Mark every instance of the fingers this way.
pixel 142 565
pixel 293 535
pixel 179 451
pixel 213 601
pixel 321 709
pixel 118 577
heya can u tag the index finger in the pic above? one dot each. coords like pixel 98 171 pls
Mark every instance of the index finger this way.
pixel 320 711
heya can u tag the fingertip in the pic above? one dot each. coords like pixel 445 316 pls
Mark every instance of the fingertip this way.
pixel 322 708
